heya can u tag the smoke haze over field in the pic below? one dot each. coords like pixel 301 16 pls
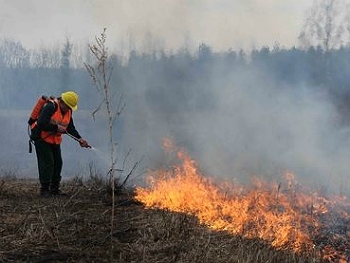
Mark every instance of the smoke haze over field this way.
pixel 155 24
pixel 251 127
pixel 235 125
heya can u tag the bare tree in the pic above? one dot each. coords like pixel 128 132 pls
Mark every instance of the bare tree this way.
pixel 101 76
pixel 46 57
pixel 65 64
pixel 13 54
pixel 327 25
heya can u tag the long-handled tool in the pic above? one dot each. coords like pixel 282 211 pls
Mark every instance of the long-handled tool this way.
pixel 75 138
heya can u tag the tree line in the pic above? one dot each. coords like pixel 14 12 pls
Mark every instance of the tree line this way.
pixel 172 81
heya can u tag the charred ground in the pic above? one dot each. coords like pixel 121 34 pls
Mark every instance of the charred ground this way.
pixel 77 228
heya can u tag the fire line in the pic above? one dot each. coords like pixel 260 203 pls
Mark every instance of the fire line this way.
pixel 283 214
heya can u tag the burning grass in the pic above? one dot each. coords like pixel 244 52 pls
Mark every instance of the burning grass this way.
pixel 284 215
pixel 77 229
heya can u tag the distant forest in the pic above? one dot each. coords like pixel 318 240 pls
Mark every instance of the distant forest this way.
pixel 180 81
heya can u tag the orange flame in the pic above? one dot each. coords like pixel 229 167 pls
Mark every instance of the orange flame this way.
pixel 287 218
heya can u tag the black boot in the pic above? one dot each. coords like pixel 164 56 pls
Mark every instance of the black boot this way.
pixel 55 190
pixel 44 190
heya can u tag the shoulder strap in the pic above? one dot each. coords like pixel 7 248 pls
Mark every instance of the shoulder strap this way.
pixel 55 104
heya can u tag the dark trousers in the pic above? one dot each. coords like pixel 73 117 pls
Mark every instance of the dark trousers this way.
pixel 49 163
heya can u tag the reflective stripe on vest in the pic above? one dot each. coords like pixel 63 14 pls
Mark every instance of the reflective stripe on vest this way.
pixel 59 119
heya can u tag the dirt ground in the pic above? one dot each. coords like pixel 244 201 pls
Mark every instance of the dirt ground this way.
pixel 77 228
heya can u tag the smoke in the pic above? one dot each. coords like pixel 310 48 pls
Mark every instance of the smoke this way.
pixel 235 125
pixel 221 24
pixel 246 125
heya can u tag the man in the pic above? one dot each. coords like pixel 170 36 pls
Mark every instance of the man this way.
pixel 54 120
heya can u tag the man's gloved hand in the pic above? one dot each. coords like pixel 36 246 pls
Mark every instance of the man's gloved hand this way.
pixel 84 143
pixel 61 129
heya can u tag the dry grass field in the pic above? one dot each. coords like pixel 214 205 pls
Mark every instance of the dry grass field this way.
pixel 77 228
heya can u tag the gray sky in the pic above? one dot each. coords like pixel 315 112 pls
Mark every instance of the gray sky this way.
pixel 165 24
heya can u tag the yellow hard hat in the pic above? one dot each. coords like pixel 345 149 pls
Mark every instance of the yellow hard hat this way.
pixel 71 99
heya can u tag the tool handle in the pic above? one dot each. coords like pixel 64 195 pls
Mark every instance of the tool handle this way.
pixel 73 137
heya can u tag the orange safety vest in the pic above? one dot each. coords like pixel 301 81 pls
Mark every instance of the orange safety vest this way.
pixel 57 118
